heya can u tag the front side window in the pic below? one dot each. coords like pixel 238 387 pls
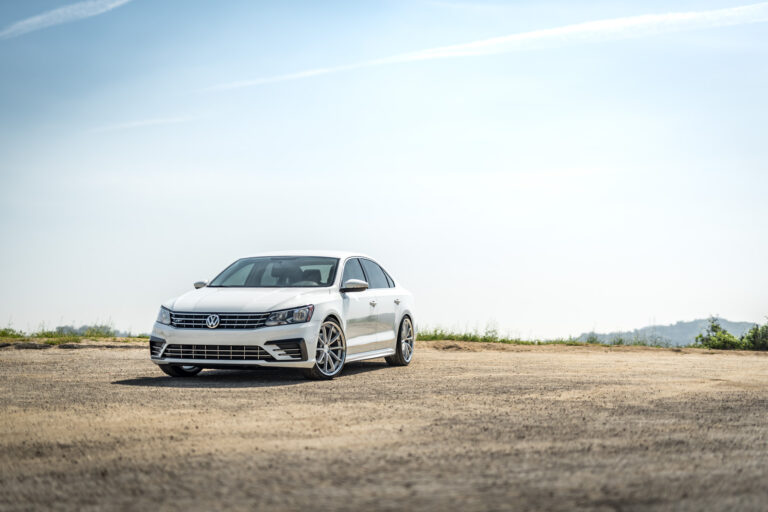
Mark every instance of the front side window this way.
pixel 278 272
pixel 376 277
pixel 352 270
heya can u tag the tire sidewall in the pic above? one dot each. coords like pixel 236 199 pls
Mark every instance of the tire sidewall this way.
pixel 316 372
pixel 400 356
pixel 175 370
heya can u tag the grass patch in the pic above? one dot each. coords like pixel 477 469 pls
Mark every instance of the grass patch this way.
pixel 491 335
pixel 50 334
pixel 487 336
pixel 61 340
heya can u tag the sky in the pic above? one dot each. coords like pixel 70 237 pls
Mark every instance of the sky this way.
pixel 544 167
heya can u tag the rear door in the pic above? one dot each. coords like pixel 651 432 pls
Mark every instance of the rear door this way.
pixel 359 309
pixel 383 298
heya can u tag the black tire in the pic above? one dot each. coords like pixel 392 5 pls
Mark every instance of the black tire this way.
pixel 401 357
pixel 317 372
pixel 180 371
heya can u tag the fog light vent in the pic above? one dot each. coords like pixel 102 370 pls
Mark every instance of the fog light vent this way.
pixel 155 346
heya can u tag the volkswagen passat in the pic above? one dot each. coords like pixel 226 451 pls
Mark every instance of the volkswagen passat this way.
pixel 315 311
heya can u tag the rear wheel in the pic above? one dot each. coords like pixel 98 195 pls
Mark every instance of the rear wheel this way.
pixel 404 351
pixel 330 354
pixel 180 371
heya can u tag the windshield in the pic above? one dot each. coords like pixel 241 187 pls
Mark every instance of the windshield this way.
pixel 278 272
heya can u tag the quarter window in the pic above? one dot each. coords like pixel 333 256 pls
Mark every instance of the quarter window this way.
pixel 376 276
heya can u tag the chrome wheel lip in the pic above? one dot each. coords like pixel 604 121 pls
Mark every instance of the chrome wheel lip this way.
pixel 331 350
pixel 406 340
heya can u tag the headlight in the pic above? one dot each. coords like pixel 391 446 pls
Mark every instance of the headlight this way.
pixel 290 316
pixel 164 316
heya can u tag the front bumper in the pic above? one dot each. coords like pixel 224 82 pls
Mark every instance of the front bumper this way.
pixel 207 341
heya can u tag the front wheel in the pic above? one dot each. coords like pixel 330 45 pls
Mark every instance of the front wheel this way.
pixel 330 354
pixel 404 351
pixel 175 370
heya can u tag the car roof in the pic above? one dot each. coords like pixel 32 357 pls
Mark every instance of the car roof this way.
pixel 325 254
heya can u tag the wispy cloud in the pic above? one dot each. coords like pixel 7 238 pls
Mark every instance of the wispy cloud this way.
pixel 66 14
pixel 592 31
pixel 473 6
pixel 144 123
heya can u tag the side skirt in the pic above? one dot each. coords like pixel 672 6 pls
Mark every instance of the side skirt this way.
pixel 373 354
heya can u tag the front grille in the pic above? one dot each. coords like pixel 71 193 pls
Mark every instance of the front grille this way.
pixel 226 320
pixel 218 352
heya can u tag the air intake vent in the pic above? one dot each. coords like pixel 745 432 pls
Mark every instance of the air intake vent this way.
pixel 218 352
pixel 155 346
pixel 293 348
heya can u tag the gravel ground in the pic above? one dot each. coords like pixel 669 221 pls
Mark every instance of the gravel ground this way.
pixel 465 427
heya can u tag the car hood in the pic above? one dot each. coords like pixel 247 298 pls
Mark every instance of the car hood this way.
pixel 245 300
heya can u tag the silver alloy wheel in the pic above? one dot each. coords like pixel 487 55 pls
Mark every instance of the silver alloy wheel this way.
pixel 406 339
pixel 331 349
pixel 189 368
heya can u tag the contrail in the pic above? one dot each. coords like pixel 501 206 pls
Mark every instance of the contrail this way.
pixel 66 14
pixel 591 31
pixel 145 122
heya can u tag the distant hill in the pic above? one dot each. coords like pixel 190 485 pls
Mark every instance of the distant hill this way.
pixel 681 333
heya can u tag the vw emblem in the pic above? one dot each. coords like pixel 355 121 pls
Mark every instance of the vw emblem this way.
pixel 212 321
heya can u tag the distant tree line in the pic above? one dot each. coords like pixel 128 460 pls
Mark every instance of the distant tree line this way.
pixel 716 337
pixel 69 333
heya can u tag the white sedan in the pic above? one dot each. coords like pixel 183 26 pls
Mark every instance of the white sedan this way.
pixel 310 310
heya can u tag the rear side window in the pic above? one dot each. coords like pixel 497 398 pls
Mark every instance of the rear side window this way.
pixel 376 276
pixel 352 270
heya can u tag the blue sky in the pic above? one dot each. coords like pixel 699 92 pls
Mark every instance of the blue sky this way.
pixel 602 177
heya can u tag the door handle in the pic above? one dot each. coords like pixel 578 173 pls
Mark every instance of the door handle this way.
pixel 372 303
pixel 397 301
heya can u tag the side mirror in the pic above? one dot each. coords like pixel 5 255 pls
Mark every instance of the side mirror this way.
pixel 200 284
pixel 354 285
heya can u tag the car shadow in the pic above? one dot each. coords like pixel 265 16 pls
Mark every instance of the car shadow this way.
pixel 251 378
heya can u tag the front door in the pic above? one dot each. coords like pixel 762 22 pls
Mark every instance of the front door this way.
pixel 383 298
pixel 360 310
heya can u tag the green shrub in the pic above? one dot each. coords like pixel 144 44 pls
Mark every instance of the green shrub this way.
pixel 716 337
pixel 756 338
pixel 43 333
pixel 7 332
pixel 99 331
pixel 593 339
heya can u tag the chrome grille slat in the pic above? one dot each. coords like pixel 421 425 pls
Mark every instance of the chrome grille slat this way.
pixel 226 320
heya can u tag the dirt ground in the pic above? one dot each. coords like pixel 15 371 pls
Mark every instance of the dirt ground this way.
pixel 465 427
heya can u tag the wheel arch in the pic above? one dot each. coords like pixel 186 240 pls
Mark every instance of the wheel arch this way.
pixel 407 314
pixel 334 316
